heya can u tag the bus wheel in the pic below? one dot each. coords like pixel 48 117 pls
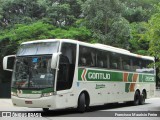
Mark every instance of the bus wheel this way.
pixel 136 98
pixel 45 109
pixel 81 103
pixel 142 99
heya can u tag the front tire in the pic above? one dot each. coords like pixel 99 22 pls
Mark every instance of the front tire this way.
pixel 81 103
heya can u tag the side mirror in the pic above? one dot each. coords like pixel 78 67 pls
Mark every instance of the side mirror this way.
pixel 55 58
pixel 8 62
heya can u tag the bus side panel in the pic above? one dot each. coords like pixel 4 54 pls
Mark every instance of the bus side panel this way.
pixel 106 92
pixel 110 92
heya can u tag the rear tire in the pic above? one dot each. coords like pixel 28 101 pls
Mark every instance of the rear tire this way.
pixel 142 99
pixel 81 103
pixel 136 98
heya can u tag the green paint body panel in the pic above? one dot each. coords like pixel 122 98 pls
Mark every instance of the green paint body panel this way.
pixel 98 75
pixel 130 77
pixel 115 76
pixel 140 78
pixel 127 85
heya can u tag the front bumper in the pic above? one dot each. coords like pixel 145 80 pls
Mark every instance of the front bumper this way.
pixel 42 102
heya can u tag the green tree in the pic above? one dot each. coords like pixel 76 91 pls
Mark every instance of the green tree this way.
pixel 138 44
pixel 138 10
pixel 153 36
pixel 20 11
pixel 104 18
pixel 81 33
pixel 62 12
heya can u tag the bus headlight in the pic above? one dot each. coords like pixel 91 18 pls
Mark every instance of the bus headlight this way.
pixel 47 94
pixel 13 93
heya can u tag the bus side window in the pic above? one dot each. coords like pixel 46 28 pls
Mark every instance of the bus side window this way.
pixel 100 64
pixel 86 56
pixel 115 61
pixel 114 65
pixel 146 66
pixel 126 67
pixel 150 66
pixel 83 61
pixel 82 56
pixel 102 59
pixel 135 64
pixel 126 63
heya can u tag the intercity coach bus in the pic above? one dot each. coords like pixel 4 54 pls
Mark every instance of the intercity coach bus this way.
pixel 64 73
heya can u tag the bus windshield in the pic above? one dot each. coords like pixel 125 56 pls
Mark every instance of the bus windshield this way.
pixel 33 72
pixel 38 48
pixel 33 65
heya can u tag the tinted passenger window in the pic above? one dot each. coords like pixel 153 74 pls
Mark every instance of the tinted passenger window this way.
pixel 126 64
pixel 102 59
pixel 142 66
pixel 92 57
pixel 87 56
pixel 115 61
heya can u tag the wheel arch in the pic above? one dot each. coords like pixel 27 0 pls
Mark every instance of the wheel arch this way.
pixel 87 96
pixel 138 91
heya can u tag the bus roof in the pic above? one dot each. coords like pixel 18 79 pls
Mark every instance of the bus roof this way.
pixel 95 45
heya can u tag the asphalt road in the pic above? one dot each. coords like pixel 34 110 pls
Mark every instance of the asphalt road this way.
pixel 121 111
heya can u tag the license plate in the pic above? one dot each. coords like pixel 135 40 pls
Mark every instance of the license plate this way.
pixel 28 102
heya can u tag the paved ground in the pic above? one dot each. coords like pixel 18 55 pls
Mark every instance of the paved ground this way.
pixel 151 105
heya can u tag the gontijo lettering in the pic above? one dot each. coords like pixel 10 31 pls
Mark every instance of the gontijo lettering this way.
pixel 94 75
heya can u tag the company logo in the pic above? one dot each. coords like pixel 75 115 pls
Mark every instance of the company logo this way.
pixel 95 75
pixel 6 114
pixel 20 114
pixel 149 79
pixel 98 86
